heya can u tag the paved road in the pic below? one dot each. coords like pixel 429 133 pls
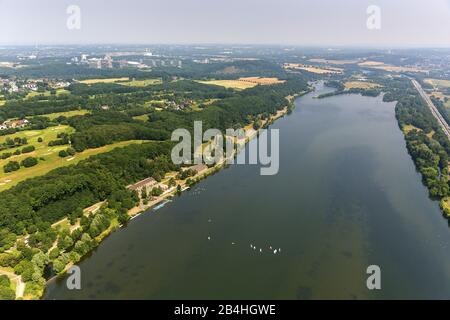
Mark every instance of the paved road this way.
pixel 444 125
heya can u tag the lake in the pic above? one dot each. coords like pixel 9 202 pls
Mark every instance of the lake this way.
pixel 347 196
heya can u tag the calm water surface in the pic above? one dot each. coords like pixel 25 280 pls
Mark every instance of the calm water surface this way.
pixel 347 196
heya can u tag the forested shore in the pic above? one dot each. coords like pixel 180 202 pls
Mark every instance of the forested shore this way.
pixel 29 244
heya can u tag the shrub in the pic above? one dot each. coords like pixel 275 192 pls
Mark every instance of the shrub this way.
pixel 29 162
pixel 63 153
pixel 28 149
pixel 11 166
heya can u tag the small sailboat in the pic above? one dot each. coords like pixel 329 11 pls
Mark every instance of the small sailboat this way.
pixel 275 251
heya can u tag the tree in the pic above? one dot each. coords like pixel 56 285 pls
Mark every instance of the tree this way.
pixel 157 191
pixel 6 293
pixel 28 149
pixel 54 253
pixel 63 153
pixel 71 151
pixel 29 162
pixel 65 242
pixel 144 193
pixel 11 166
pixel 4 281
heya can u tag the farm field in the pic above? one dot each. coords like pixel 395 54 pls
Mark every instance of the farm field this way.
pixel 233 84
pixel 262 81
pixel 52 160
pixel 243 83
pixel 360 85
pixel 438 83
pixel 390 68
pixel 106 80
pixel 313 69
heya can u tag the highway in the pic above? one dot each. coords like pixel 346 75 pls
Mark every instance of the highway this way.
pixel 444 125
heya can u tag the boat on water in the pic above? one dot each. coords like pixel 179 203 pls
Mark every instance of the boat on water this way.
pixel 159 206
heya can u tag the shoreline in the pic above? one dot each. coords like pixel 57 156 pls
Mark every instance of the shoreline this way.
pixel 170 193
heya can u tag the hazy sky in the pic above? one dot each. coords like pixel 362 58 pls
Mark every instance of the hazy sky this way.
pixel 300 22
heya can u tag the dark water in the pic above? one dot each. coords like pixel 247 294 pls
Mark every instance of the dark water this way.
pixel 346 196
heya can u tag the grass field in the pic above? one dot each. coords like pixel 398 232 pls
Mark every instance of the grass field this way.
pixel 438 83
pixel 360 85
pixel 390 68
pixel 107 80
pixel 52 160
pixel 67 114
pixel 140 83
pixel 409 127
pixel 143 117
pixel 46 93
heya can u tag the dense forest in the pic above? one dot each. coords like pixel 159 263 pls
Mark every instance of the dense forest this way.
pixel 426 143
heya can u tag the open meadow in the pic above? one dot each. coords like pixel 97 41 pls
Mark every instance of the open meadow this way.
pixel 360 85
pixel 48 156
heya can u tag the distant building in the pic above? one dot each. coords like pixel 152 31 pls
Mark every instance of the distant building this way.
pixel 107 62
pixel 148 183
pixel 8 124
pixel 199 168
pixel 95 63
pixel 31 86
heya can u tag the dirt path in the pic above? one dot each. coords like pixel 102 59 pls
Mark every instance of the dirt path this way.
pixel 20 285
